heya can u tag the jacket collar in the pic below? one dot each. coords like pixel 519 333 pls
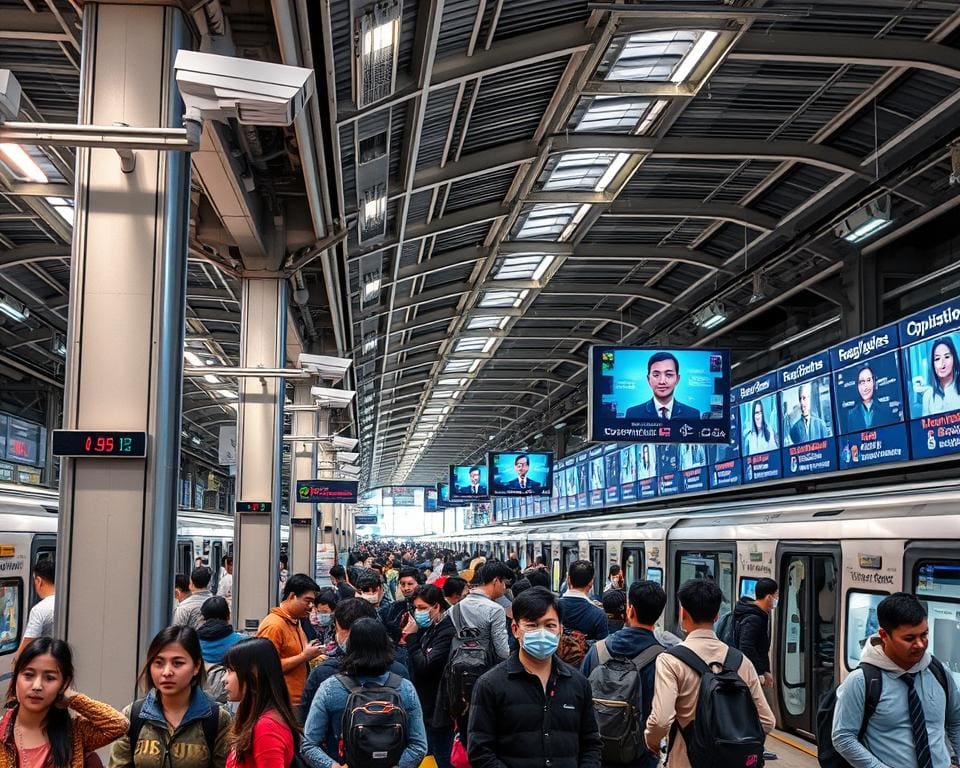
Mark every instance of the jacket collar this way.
pixel 198 708
pixel 282 613
pixel 515 667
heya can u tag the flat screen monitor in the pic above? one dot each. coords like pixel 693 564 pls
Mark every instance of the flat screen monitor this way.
pixel 657 395
pixel 443 495
pixel 469 482
pixel 520 473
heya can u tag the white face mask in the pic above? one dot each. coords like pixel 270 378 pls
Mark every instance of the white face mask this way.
pixel 776 602
pixel 370 598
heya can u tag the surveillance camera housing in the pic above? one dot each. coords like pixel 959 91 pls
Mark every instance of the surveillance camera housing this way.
pixel 9 96
pixel 252 92
pixel 332 368
pixel 332 398
pixel 345 443
pixel 347 457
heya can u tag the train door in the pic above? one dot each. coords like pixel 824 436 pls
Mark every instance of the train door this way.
pixel 932 573
pixel 701 560
pixel 807 631
pixel 216 557
pixel 531 554
pixel 41 548
pixel 185 557
pixel 632 563
pixel 598 556
pixel 569 553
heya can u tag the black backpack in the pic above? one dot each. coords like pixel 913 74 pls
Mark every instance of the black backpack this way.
pixel 827 755
pixel 725 731
pixel 615 686
pixel 727 629
pixel 470 657
pixel 373 730
pixel 211 726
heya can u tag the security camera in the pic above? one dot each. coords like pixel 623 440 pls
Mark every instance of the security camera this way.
pixel 350 469
pixel 253 92
pixel 332 398
pixel 332 368
pixel 347 457
pixel 346 443
pixel 9 96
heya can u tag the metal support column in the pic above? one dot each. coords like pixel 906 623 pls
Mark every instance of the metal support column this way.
pixel 303 466
pixel 259 451
pixel 117 522
pixel 327 464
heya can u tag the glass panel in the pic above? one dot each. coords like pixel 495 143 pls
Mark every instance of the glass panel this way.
pixel 656 575
pixel 824 626
pixel 9 615
pixel 632 562
pixel 944 622
pixel 938 579
pixel 599 571
pixel 716 566
pixel 793 600
pixel 861 623
pixel 726 582
pixel 748 588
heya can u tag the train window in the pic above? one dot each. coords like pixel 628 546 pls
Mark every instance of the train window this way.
pixel 599 558
pixel 653 574
pixel 10 608
pixel 937 579
pixel 861 622
pixel 632 565
pixel 717 566
pixel 941 579
pixel 748 588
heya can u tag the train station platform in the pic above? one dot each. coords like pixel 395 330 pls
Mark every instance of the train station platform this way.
pixel 791 751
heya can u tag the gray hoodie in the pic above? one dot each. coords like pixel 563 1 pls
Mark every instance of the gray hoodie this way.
pixel 888 740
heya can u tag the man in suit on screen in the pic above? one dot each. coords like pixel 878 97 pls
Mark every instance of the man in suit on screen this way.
pixel 474 488
pixel 808 427
pixel 521 482
pixel 663 375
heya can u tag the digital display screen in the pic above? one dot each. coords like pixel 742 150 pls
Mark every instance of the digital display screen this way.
pixel 596 482
pixel 79 442
pixel 254 507
pixel 518 473
pixel 469 482
pixel 430 500
pixel 611 473
pixel 642 394
pixel 23 441
pixel 806 417
pixel 327 491
pixel 443 495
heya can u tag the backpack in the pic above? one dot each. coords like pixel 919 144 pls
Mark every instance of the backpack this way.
pixel 214 687
pixel 727 629
pixel 725 731
pixel 470 657
pixel 827 755
pixel 373 729
pixel 615 686
pixel 572 647
pixel 211 726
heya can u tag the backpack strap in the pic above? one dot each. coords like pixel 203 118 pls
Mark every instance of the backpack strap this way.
pixel 454 614
pixel 647 656
pixel 211 727
pixel 938 671
pixel 872 690
pixel 349 683
pixel 603 655
pixel 689 658
pixel 136 724
pixel 393 681
pixel 733 659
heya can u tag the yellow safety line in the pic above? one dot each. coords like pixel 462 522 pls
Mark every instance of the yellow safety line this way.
pixel 791 743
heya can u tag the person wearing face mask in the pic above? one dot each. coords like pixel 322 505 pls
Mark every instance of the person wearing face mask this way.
pixel 428 634
pixel 321 617
pixel 534 709
pixel 752 627
pixel 345 615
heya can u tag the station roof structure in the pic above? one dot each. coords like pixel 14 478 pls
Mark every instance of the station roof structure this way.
pixel 506 182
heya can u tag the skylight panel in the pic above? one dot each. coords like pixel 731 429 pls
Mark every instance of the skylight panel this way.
pixel 546 221
pixel 481 323
pixel 524 267
pixel 501 298
pixel 613 114
pixel 579 170
pixel 652 56
pixel 470 345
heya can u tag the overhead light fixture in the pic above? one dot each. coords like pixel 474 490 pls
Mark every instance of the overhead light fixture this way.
pixel 21 162
pixel 332 398
pixel 568 231
pixel 59 345
pixel 489 344
pixel 543 266
pixel 369 346
pixel 371 289
pixel 192 357
pixel 13 308
pixel 711 316
pixel 694 56
pixel 612 170
pixel 62 207
pixel 759 292
pixel 866 221
pixel 227 393
pixel 211 379
pixel 560 425
pixel 519 300
pixel 538 436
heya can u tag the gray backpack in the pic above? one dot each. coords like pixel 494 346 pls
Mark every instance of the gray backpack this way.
pixel 214 687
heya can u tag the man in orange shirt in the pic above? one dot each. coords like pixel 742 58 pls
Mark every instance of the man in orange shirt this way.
pixel 282 628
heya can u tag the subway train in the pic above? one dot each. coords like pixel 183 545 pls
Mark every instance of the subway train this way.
pixel 834 555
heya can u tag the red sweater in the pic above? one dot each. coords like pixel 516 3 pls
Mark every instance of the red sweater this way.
pixel 272 745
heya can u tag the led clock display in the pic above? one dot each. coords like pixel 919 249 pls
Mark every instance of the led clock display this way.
pixel 83 442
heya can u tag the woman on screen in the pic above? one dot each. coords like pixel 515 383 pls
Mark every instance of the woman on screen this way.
pixel 647 466
pixel 759 437
pixel 944 395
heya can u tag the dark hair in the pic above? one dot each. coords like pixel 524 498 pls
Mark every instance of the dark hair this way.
pixel 57 722
pixel 541 560
pixel 764 588
pixel 181 582
pixel 369 580
pixel 449 569
pixel 534 603
pixel 662 357
pixel 186 637
pixel 615 603
pixel 521 456
pixel 494 569
pixel 519 586
pixel 227 560
pixel 431 594
pixel 351 610
pixel 701 598
pixel 648 600
pixel 299 584
pixel 473 469
pixel 338 572
pixel 327 596
pixel 283 560
pixel 454 585
pixel 900 610
pixel 200 577
pixel 369 652
pixel 538 577
pixel 409 572
pixel 948 343
pixel 46 569
pixel 215 607
pixel 256 663
pixel 580 573
pixel 763 420
pixel 614 569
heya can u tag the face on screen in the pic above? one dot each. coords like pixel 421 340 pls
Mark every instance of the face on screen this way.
pixel 943 363
pixel 804 399
pixel 865 385
pixel 663 379
pixel 474 477
pixel 522 466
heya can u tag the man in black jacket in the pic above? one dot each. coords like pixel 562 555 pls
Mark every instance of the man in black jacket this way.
pixel 752 627
pixel 533 709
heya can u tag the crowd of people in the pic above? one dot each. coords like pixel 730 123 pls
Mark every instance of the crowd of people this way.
pixel 476 662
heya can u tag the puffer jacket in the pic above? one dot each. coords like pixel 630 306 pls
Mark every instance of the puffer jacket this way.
pixel 752 633
pixel 160 746
pixel 96 725
pixel 427 653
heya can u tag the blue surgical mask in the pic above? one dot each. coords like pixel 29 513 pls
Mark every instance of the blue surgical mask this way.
pixel 540 643
pixel 422 618
pixel 323 619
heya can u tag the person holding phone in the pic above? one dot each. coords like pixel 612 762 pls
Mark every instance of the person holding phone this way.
pixel 37 729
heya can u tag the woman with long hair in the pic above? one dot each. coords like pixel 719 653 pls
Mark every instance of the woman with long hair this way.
pixel 944 395
pixel 759 435
pixel 428 634
pixel 37 731
pixel 176 725
pixel 264 730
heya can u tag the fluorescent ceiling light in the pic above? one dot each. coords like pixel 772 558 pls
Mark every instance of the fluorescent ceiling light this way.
pixel 612 170
pixel 542 267
pixel 582 211
pixel 503 323
pixel 230 395
pixel 25 165
pixel 519 300
pixel 369 346
pixel 489 344
pixel 13 308
pixel 62 207
pixel 694 56
pixel 379 37
pixel 866 229
pixel 192 358
pixel 651 117
pixel 453 382
pixel 447 409
pixel 211 379
pixel 866 220
pixel 711 316
pixel 474 365
pixel 371 288
pixel 487 321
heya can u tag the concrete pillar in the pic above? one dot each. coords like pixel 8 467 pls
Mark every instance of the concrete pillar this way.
pixel 117 521
pixel 327 466
pixel 259 451
pixel 303 457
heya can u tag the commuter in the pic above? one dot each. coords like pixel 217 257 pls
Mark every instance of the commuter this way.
pixel 40 620
pixel 264 730
pixel 538 577
pixel 338 576
pixel 395 614
pixel 284 573
pixel 583 622
pixel 37 730
pixel 447 571
pixel 428 635
pixel 321 617
pixel 181 588
pixel 615 579
pixel 370 588
pixel 454 590
pixel 480 609
pixel 678 683
pixel 337 718
pixel 282 628
pixel 632 645
pixel 519 586
pixel 614 603
pixel 225 587
pixel 915 722
pixel 532 694
pixel 216 637
pixel 176 725
pixel 752 627
pixel 345 615
pixel 188 612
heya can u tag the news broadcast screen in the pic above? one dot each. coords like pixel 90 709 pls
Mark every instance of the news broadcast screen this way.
pixel 806 417
pixel 443 495
pixel 468 482
pixel 521 473
pixel 430 500
pixel 657 395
